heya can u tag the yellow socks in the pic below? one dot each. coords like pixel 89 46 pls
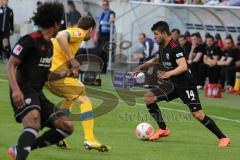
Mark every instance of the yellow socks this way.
pixel 86 118
pixel 237 82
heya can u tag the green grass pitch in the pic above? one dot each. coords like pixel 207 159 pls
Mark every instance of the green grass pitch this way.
pixel 189 139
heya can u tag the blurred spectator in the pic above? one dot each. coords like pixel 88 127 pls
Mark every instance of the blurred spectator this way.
pixel 219 41
pixel 197 2
pixel 175 33
pixel 227 63
pixel 200 40
pixel 6 29
pixel 86 11
pixel 230 3
pixel 211 2
pixel 87 47
pixel 179 1
pixel 185 44
pixel 210 59
pixel 195 59
pixel 238 42
pixel 237 80
pixel 207 34
pixel 106 18
pixel 73 15
pixel 188 36
pixel 149 48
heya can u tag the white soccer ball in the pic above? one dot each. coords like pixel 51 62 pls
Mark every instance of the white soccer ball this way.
pixel 140 78
pixel 144 131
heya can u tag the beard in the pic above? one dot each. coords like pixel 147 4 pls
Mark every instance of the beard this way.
pixel 161 41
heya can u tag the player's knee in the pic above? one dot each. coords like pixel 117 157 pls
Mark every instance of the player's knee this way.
pixel 32 120
pixel 199 115
pixel 64 124
pixel 149 98
pixel 68 126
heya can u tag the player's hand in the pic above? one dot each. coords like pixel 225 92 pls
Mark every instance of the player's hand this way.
pixel 136 71
pixel 75 65
pixel 164 75
pixel 189 61
pixel 18 98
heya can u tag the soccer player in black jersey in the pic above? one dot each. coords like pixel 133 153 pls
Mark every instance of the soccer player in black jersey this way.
pixel 177 72
pixel 28 69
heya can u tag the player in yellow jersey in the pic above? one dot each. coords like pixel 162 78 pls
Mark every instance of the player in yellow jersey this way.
pixel 66 45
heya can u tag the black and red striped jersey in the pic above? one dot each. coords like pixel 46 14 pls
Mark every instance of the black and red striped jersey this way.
pixel 35 53
pixel 168 56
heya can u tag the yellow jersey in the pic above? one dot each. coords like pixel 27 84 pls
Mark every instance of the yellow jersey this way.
pixel 75 37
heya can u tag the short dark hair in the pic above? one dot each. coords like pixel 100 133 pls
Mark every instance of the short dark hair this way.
pixel 207 34
pixel 142 34
pixel 210 37
pixel 86 22
pixel 48 14
pixel 198 35
pixel 194 35
pixel 161 26
pixel 182 36
pixel 187 34
pixel 176 30
pixel 230 38
pixel 71 3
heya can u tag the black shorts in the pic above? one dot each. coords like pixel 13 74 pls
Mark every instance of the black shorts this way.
pixel 189 96
pixel 37 100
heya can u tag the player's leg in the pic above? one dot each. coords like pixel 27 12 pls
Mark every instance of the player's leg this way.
pixel 87 120
pixel 31 123
pixel 151 102
pixel 151 98
pixel 29 116
pixel 191 98
pixel 73 91
pixel 78 96
pixel 60 126
pixel 212 126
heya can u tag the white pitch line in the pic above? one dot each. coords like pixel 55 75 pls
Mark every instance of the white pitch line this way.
pixel 3 80
pixel 165 108
pixel 178 110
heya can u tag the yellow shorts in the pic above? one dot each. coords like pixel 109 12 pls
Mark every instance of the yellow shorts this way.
pixel 68 88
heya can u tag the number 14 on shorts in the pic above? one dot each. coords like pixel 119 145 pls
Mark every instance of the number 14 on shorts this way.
pixel 190 95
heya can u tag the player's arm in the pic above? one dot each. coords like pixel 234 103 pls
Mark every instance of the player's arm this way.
pixel 17 96
pixel 206 60
pixel 191 54
pixel 213 61
pixel 198 57
pixel 63 39
pixel 225 62
pixel 182 67
pixel 147 64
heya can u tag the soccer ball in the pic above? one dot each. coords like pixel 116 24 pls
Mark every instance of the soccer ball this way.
pixel 140 78
pixel 144 131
